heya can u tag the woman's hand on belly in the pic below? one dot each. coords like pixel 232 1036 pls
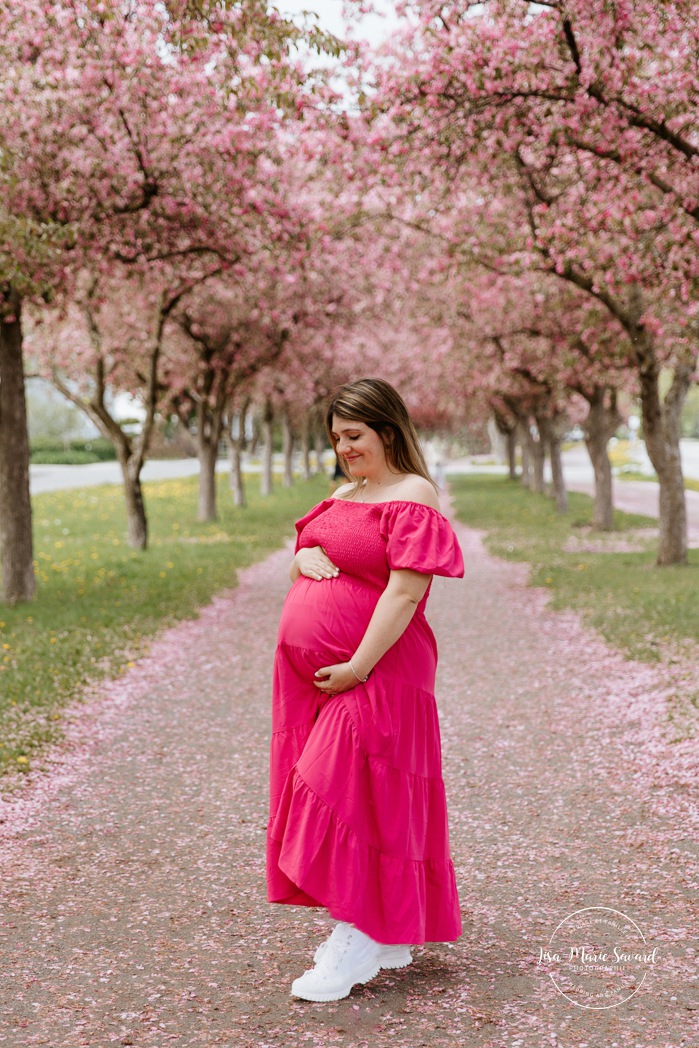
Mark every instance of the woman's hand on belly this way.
pixel 314 563
pixel 336 679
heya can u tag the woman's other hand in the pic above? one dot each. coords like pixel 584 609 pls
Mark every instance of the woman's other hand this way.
pixel 333 679
pixel 314 563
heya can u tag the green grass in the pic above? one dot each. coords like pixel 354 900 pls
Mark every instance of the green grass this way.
pixel 77 453
pixel 641 609
pixel 99 602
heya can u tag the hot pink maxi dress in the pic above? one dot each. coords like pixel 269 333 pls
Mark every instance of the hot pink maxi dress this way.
pixel 358 816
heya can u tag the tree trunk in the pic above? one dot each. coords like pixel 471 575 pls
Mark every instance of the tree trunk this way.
pixel 533 453
pixel 237 484
pixel 288 448
pixel 550 437
pixel 497 439
pixel 538 455
pixel 672 514
pixel 18 580
pixel 525 443
pixel 661 432
pixel 207 453
pixel 320 446
pixel 603 512
pixel 209 429
pixel 511 439
pixel 235 438
pixel 507 427
pixel 306 446
pixel 136 522
pixel 267 448
pixel 255 438
pixel 601 424
pixel 559 485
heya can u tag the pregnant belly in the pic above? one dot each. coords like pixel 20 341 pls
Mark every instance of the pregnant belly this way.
pixel 327 616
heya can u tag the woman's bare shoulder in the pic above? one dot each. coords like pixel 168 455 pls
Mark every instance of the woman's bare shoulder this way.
pixel 343 490
pixel 418 489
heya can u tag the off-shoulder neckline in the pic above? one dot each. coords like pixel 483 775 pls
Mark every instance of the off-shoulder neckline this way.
pixel 387 502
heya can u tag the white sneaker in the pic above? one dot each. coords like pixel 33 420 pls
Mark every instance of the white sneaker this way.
pixel 349 956
pixel 396 956
pixel 338 935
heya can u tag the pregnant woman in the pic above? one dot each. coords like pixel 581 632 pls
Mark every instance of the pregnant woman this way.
pixel 358 818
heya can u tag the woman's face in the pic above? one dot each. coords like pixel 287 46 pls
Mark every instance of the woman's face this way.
pixel 360 446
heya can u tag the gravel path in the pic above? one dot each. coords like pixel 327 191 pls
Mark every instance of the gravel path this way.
pixel 132 867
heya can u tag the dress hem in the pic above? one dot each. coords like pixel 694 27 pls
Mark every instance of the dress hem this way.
pixel 387 879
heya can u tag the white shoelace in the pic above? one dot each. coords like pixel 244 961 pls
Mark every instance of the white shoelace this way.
pixel 332 958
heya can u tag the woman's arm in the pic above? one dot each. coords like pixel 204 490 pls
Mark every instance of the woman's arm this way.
pixel 394 610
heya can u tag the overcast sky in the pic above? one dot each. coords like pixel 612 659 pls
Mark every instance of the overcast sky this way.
pixel 330 17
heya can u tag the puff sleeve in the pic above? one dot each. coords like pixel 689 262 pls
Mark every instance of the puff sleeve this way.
pixel 303 521
pixel 422 539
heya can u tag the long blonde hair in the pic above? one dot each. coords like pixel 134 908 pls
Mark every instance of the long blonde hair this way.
pixel 378 405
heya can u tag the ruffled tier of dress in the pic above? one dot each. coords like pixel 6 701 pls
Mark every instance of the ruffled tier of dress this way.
pixel 360 836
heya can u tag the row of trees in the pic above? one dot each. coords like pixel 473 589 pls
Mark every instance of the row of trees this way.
pixel 498 213
pixel 166 229
pixel 549 152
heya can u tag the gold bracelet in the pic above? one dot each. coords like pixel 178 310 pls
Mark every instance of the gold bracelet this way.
pixel 362 679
